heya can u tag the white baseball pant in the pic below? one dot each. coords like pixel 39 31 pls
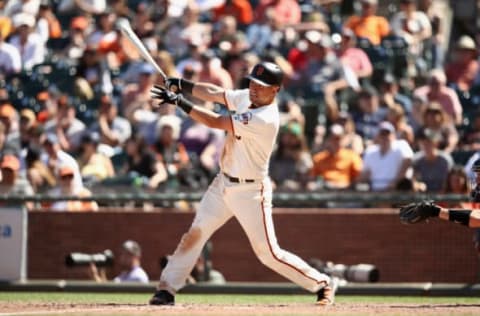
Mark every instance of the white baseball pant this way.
pixel 251 204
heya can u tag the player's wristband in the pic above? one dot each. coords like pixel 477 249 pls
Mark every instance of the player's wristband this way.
pixel 186 85
pixel 459 216
pixel 184 104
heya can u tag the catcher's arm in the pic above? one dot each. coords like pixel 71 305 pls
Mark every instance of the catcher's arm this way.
pixel 419 212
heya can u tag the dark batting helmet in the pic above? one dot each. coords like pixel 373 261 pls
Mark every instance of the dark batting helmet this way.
pixel 266 74
pixel 476 166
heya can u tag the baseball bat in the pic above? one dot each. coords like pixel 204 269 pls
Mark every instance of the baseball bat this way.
pixel 127 30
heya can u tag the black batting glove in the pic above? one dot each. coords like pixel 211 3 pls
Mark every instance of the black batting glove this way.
pixel 164 95
pixel 179 85
pixel 173 84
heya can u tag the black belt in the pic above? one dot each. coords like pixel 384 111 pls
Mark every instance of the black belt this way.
pixel 238 180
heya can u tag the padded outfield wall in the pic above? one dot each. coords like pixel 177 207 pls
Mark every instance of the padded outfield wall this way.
pixel 432 252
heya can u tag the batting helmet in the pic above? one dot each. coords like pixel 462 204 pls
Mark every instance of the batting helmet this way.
pixel 266 74
pixel 476 166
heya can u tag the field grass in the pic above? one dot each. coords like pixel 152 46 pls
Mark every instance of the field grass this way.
pixel 107 298
pixel 113 304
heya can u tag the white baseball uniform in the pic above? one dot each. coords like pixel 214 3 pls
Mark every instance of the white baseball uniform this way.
pixel 248 197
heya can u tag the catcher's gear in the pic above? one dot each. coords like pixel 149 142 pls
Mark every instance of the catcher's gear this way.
pixel 418 212
pixel 166 96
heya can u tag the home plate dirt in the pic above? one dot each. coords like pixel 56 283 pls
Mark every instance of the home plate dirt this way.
pixel 240 309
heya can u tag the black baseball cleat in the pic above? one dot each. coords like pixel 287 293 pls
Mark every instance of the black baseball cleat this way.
pixel 326 295
pixel 162 297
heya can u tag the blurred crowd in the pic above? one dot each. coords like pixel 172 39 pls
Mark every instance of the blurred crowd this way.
pixel 378 96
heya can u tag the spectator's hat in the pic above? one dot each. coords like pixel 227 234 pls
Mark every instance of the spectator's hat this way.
pixel 336 130
pixel 10 162
pixel 91 138
pixel 466 42
pixel 320 39
pixel 29 115
pixel 23 19
pixel 170 120
pixel 79 23
pixel 266 74
pixel 146 69
pixel 132 247
pixel 51 139
pixel 7 111
pixel 386 126
pixel 293 128
pixel 66 171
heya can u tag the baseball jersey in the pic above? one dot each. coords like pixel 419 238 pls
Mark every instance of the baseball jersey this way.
pixel 247 150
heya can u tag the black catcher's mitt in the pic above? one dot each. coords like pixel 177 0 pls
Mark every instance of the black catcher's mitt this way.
pixel 418 212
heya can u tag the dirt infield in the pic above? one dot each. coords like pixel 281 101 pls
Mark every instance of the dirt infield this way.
pixel 240 309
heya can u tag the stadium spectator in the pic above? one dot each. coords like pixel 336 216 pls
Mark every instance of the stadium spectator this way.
pixel 462 70
pixel 388 162
pixel 354 58
pixel 437 91
pixel 9 119
pixel 67 187
pixel 90 7
pixel 336 167
pixel 113 129
pixel 136 96
pixel 430 165
pixel 28 121
pixel 48 25
pixel 77 39
pixel 369 25
pixel 324 73
pixel 92 76
pixel 389 94
pixel 212 70
pixel 10 60
pixel 435 118
pixel 94 166
pixel 204 147
pixel 435 10
pixel 13 7
pixel 38 174
pixel 29 43
pixel 291 161
pixel 413 26
pixel 172 153
pixel 396 116
pixel 129 261
pixel 287 12
pixel 241 10
pixel 10 180
pixel 368 114
pixel 471 135
pixel 66 126
pixel 457 183
pixel 351 140
pixel 142 164
pixel 56 159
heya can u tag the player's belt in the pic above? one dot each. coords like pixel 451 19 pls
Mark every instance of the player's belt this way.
pixel 238 180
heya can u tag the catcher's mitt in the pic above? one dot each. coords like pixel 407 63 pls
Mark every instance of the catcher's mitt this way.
pixel 418 212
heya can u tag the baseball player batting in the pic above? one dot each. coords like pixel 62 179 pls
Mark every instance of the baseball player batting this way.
pixel 242 188
pixel 419 212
